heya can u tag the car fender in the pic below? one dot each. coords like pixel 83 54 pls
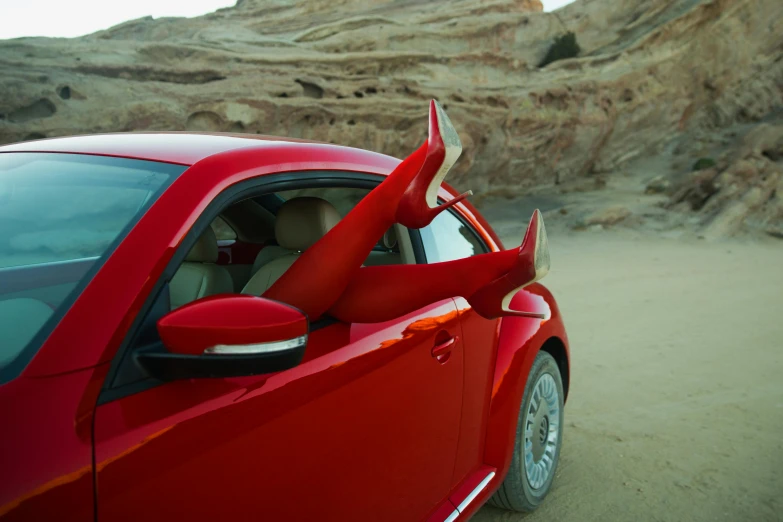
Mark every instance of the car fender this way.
pixel 520 340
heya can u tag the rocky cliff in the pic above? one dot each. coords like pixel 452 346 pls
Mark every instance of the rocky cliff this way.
pixel 678 79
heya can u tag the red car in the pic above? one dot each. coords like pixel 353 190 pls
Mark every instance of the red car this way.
pixel 112 410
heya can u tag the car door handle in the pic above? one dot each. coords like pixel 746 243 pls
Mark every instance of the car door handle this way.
pixel 442 349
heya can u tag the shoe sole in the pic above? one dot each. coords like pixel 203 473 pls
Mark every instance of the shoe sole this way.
pixel 453 148
pixel 541 260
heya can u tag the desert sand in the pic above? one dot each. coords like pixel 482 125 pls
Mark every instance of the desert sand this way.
pixel 676 403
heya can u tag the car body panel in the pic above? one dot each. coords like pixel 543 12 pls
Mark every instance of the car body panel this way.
pixel 444 511
pixel 47 446
pixel 350 429
pixel 62 382
pixel 480 341
pixel 521 338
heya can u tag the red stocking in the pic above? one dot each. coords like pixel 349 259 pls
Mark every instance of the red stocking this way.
pixel 380 293
pixel 408 196
pixel 328 275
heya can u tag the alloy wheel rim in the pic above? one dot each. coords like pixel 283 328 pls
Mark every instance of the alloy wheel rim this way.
pixel 542 431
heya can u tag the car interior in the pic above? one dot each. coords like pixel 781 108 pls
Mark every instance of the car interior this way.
pixel 254 241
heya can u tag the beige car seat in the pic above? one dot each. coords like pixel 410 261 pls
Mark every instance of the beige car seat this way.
pixel 198 276
pixel 266 255
pixel 300 223
pixel 389 256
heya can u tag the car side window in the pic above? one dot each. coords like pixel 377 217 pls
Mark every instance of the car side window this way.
pixel 222 230
pixel 447 238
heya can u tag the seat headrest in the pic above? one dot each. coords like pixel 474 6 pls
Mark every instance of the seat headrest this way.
pixel 303 221
pixel 389 239
pixel 205 250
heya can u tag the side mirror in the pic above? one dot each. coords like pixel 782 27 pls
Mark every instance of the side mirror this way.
pixel 228 335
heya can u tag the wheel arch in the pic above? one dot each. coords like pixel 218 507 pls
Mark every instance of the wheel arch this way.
pixel 555 347
pixel 519 342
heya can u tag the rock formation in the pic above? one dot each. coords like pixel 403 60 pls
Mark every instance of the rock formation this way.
pixel 744 188
pixel 359 72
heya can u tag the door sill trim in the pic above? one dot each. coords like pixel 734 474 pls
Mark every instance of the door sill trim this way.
pixel 473 494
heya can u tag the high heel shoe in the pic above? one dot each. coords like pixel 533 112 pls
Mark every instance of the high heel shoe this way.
pixel 418 205
pixel 493 300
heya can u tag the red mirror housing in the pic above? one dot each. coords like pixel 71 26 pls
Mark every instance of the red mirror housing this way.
pixel 233 324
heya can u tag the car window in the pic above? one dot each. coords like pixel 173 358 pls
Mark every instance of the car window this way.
pixel 60 217
pixel 343 198
pixel 222 230
pixel 388 251
pixel 447 238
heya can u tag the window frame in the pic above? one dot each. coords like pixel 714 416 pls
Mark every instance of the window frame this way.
pixel 464 221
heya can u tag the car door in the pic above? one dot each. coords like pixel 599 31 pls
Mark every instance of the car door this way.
pixel 366 427
pixel 450 237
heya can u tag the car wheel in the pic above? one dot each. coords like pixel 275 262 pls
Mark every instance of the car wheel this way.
pixel 538 440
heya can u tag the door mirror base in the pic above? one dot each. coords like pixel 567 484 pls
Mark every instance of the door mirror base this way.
pixel 166 366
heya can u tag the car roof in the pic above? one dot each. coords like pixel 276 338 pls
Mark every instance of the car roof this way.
pixel 183 148
pixel 187 148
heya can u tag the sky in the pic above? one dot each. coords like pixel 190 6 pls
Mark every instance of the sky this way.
pixel 68 18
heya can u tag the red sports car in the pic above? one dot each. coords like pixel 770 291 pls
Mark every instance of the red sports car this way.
pixel 119 403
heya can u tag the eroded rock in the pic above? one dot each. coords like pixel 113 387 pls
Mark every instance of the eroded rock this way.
pixel 657 185
pixel 204 121
pixel 608 216
pixel 42 108
pixel 360 73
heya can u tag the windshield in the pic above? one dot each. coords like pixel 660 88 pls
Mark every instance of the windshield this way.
pixel 61 216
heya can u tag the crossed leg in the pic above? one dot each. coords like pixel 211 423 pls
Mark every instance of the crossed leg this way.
pixel 381 293
pixel 322 272
pixel 328 276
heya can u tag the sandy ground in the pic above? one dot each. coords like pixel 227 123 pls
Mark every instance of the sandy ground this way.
pixel 676 404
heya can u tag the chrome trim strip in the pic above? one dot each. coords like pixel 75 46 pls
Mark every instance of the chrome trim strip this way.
pixel 248 349
pixel 473 494
pixel 453 516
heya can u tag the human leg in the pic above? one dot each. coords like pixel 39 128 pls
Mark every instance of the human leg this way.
pixel 488 281
pixel 408 196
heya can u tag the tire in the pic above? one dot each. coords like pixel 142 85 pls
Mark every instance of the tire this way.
pixel 522 491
